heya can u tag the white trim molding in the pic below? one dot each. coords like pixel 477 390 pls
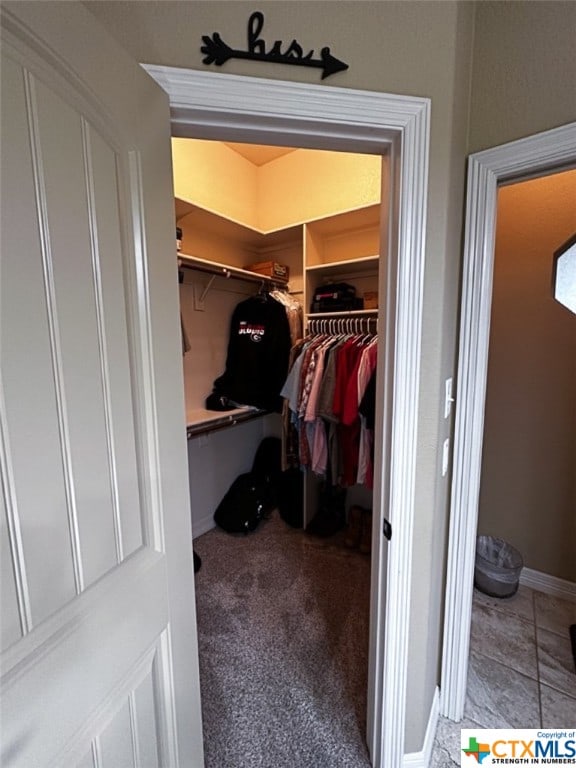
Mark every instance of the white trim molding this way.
pixel 202 526
pixel 534 155
pixel 550 585
pixel 235 108
pixel 423 758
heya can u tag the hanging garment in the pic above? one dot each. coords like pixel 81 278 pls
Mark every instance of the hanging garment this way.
pixel 327 381
pixel 290 456
pixel 293 313
pixel 366 370
pixel 346 410
pixel 257 357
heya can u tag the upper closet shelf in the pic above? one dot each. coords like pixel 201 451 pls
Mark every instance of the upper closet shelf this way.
pixel 344 313
pixel 224 270
pixel 367 264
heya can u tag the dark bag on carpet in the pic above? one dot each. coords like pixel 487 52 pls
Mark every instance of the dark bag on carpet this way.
pixel 291 497
pixel 267 466
pixel 247 501
pixel 268 460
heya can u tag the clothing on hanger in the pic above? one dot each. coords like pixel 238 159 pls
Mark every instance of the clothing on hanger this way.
pixel 293 312
pixel 327 381
pixel 257 356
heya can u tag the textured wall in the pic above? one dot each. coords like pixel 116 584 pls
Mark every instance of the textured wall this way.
pixel 524 77
pixel 529 461
pixel 300 186
pixel 415 48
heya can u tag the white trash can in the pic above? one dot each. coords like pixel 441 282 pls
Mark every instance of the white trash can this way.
pixel 498 567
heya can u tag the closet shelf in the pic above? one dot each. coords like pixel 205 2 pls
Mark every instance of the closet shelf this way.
pixel 201 421
pixel 224 270
pixel 366 264
pixel 344 313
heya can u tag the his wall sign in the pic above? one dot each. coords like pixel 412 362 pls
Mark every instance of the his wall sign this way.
pixel 216 51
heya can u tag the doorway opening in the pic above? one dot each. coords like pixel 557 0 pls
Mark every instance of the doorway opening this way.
pixel 283 615
pixel 527 487
pixel 230 108
pixel 535 156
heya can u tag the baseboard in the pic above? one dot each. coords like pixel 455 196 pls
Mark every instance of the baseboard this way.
pixel 203 525
pixel 550 585
pixel 423 758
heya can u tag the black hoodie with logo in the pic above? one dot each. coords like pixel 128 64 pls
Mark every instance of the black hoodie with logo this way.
pixel 257 358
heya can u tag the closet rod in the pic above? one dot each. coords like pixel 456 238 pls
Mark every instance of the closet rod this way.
pixel 223 270
pixel 337 325
pixel 203 428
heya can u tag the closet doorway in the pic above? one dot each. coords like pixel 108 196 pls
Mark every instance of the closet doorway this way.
pixel 528 483
pixel 254 110
pixel 282 615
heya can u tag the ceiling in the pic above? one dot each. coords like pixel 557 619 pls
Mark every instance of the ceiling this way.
pixel 259 154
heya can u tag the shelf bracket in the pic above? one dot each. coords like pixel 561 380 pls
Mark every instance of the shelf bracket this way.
pixel 207 288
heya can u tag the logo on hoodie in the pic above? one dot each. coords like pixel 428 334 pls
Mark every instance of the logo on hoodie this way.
pixel 256 332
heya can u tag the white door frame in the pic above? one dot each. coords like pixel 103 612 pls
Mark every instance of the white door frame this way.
pixel 216 106
pixel 531 156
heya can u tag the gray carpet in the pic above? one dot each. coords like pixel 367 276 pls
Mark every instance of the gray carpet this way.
pixel 283 633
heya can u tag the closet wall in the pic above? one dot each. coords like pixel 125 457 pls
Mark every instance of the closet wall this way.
pixel 314 211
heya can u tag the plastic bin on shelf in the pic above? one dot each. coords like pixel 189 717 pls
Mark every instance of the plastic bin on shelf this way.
pixel 498 567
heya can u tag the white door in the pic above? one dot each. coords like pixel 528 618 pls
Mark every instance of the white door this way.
pixel 99 649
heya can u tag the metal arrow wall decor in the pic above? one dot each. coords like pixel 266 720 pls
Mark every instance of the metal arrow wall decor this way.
pixel 216 51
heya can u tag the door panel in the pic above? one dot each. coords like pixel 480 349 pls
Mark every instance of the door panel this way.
pixel 80 358
pixel 116 747
pixel 30 424
pixel 111 292
pixel 143 703
pixel 99 658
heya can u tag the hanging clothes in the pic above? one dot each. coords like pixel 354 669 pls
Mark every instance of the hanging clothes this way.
pixel 257 356
pixel 327 381
pixel 293 313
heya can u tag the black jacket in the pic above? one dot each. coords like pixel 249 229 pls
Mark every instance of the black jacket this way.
pixel 258 351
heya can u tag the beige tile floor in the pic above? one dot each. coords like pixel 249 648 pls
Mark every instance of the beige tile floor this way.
pixel 521 671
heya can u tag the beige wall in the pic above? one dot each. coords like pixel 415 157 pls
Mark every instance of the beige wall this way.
pixel 529 462
pixel 414 48
pixel 300 186
pixel 524 70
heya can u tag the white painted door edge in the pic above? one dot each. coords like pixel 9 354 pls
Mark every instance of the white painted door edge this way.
pixel 530 156
pixel 235 108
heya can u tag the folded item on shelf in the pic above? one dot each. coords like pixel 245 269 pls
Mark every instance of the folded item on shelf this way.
pixel 335 297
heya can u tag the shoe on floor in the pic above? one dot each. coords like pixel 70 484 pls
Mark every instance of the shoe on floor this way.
pixel 354 531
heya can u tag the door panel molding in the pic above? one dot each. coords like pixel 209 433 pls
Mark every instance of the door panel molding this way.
pixel 53 326
pixel 236 108
pixel 87 149
pixel 531 156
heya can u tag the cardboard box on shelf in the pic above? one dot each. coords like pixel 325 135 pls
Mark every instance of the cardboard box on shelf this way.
pixel 270 269
pixel 370 300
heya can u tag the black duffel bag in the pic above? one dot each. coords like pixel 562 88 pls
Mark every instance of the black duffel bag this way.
pixel 248 500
